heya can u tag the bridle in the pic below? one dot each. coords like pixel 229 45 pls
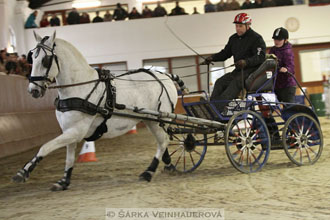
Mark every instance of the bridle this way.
pixel 47 62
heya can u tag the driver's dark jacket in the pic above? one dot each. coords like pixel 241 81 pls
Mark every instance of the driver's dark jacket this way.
pixel 250 47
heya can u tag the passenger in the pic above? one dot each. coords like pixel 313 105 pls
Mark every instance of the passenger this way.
pixel 285 87
pixel 248 49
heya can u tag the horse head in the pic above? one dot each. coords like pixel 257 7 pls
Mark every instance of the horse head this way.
pixel 45 66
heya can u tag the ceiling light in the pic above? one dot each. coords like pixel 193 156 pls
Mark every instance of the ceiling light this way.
pixel 86 3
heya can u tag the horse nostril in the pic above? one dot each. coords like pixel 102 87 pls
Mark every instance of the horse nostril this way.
pixel 35 93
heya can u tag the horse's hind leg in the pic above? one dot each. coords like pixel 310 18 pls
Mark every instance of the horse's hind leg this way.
pixel 72 136
pixel 162 142
pixel 64 183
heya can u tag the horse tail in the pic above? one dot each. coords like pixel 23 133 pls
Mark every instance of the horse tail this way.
pixel 180 83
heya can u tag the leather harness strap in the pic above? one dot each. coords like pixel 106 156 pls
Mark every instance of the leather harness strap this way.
pixel 83 105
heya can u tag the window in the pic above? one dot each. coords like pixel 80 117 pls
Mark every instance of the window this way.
pixel 193 75
pixel 314 64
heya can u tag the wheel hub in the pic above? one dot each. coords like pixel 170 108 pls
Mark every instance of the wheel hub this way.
pixel 189 143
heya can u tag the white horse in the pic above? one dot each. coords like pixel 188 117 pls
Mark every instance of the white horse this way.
pixel 57 59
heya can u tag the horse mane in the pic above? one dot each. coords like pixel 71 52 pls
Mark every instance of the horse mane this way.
pixel 73 50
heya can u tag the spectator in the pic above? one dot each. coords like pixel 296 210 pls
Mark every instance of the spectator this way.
pixel 258 4
pixel 25 67
pixel 134 14
pixel 209 7
pixel 146 13
pixel 222 6
pixel 120 13
pixel 283 2
pixel 177 10
pixel 30 22
pixel 3 60
pixel 73 17
pixel 97 18
pixel 108 16
pixel 268 3
pixel 195 11
pixel 54 21
pixel 84 18
pixel 44 21
pixel 233 5
pixel 247 4
pixel 159 11
pixel 11 65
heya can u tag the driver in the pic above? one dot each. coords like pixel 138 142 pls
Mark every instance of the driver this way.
pixel 248 49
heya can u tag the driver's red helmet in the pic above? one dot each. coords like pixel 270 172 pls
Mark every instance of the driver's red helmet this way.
pixel 242 18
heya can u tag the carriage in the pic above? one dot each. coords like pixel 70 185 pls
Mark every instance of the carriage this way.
pixel 252 127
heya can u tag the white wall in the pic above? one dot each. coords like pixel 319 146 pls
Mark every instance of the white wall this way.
pixel 135 40
pixel 68 5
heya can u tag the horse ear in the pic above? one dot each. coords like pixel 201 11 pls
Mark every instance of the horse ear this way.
pixel 53 36
pixel 37 36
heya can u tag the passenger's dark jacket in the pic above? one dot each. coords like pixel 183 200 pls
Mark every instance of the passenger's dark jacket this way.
pixel 285 58
pixel 250 47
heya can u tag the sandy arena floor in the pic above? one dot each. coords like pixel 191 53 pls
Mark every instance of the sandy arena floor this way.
pixel 280 191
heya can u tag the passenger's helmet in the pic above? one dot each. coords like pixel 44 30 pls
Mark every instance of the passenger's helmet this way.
pixel 242 18
pixel 280 34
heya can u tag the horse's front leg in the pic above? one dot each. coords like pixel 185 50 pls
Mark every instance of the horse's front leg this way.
pixel 64 183
pixel 68 137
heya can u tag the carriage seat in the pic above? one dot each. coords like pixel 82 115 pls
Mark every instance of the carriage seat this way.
pixel 258 78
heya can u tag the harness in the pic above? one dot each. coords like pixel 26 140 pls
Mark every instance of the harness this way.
pixel 83 105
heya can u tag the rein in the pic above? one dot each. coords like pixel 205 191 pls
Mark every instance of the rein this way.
pixel 72 85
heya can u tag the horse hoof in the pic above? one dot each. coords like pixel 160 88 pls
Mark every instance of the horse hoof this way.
pixel 57 187
pixel 20 177
pixel 169 169
pixel 146 176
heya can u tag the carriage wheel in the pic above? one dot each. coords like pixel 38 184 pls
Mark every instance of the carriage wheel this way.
pixel 187 151
pixel 302 139
pixel 247 141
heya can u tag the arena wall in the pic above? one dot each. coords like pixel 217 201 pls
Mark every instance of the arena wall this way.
pixel 25 122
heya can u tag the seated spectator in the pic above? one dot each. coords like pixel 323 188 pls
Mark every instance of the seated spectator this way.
pixel 233 5
pixel 11 65
pixel 247 4
pixel 222 6
pixel 107 16
pixel 120 13
pixel 146 13
pixel 195 11
pixel 258 4
pixel 209 7
pixel 30 22
pixel 177 10
pixel 97 18
pixel 54 21
pixel 134 14
pixel 25 67
pixel 3 60
pixel 283 2
pixel 84 18
pixel 73 17
pixel 44 21
pixel 268 3
pixel 159 11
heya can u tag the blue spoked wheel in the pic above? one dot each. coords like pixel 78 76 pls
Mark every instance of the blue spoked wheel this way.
pixel 247 141
pixel 302 139
pixel 187 151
